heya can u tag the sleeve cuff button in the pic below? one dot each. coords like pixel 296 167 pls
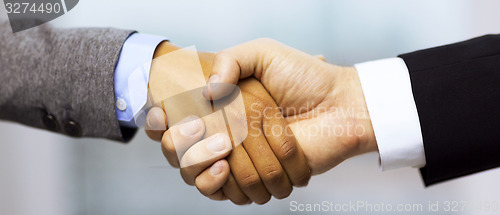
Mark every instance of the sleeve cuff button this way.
pixel 121 104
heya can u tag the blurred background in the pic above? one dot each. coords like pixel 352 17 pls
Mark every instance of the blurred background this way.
pixel 44 173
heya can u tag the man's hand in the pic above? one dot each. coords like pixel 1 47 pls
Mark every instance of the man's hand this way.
pixel 323 103
pixel 260 167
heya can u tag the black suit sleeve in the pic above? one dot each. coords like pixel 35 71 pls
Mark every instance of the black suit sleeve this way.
pixel 457 94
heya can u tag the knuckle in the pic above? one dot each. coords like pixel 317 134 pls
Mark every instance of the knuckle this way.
pixel 288 150
pixel 273 176
pixel 250 182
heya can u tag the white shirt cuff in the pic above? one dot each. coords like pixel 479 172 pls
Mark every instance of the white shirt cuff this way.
pixel 133 66
pixel 387 89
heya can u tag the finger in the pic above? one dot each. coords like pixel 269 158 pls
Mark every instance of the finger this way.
pixel 211 180
pixel 246 176
pixel 285 147
pixel 203 154
pixel 233 192
pixel 156 123
pixel 180 137
pixel 239 62
pixel 267 165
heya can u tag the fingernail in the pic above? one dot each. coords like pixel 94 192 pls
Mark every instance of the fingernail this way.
pixel 216 168
pixel 214 82
pixel 214 79
pixel 153 122
pixel 190 128
pixel 216 144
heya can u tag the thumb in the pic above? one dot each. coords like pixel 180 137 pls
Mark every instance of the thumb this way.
pixel 236 63
pixel 156 123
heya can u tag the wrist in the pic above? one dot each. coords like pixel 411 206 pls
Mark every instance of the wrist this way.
pixel 205 58
pixel 361 117
pixel 164 47
pixel 169 58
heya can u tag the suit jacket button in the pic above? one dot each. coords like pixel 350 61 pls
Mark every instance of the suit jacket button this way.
pixel 72 129
pixel 50 122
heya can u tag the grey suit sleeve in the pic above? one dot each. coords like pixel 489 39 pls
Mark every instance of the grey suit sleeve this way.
pixel 62 79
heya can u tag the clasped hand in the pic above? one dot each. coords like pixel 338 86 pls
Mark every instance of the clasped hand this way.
pixel 304 117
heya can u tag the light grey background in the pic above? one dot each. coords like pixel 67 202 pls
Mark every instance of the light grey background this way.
pixel 43 173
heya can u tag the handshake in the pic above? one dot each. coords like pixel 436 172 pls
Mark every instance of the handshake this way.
pixel 294 114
